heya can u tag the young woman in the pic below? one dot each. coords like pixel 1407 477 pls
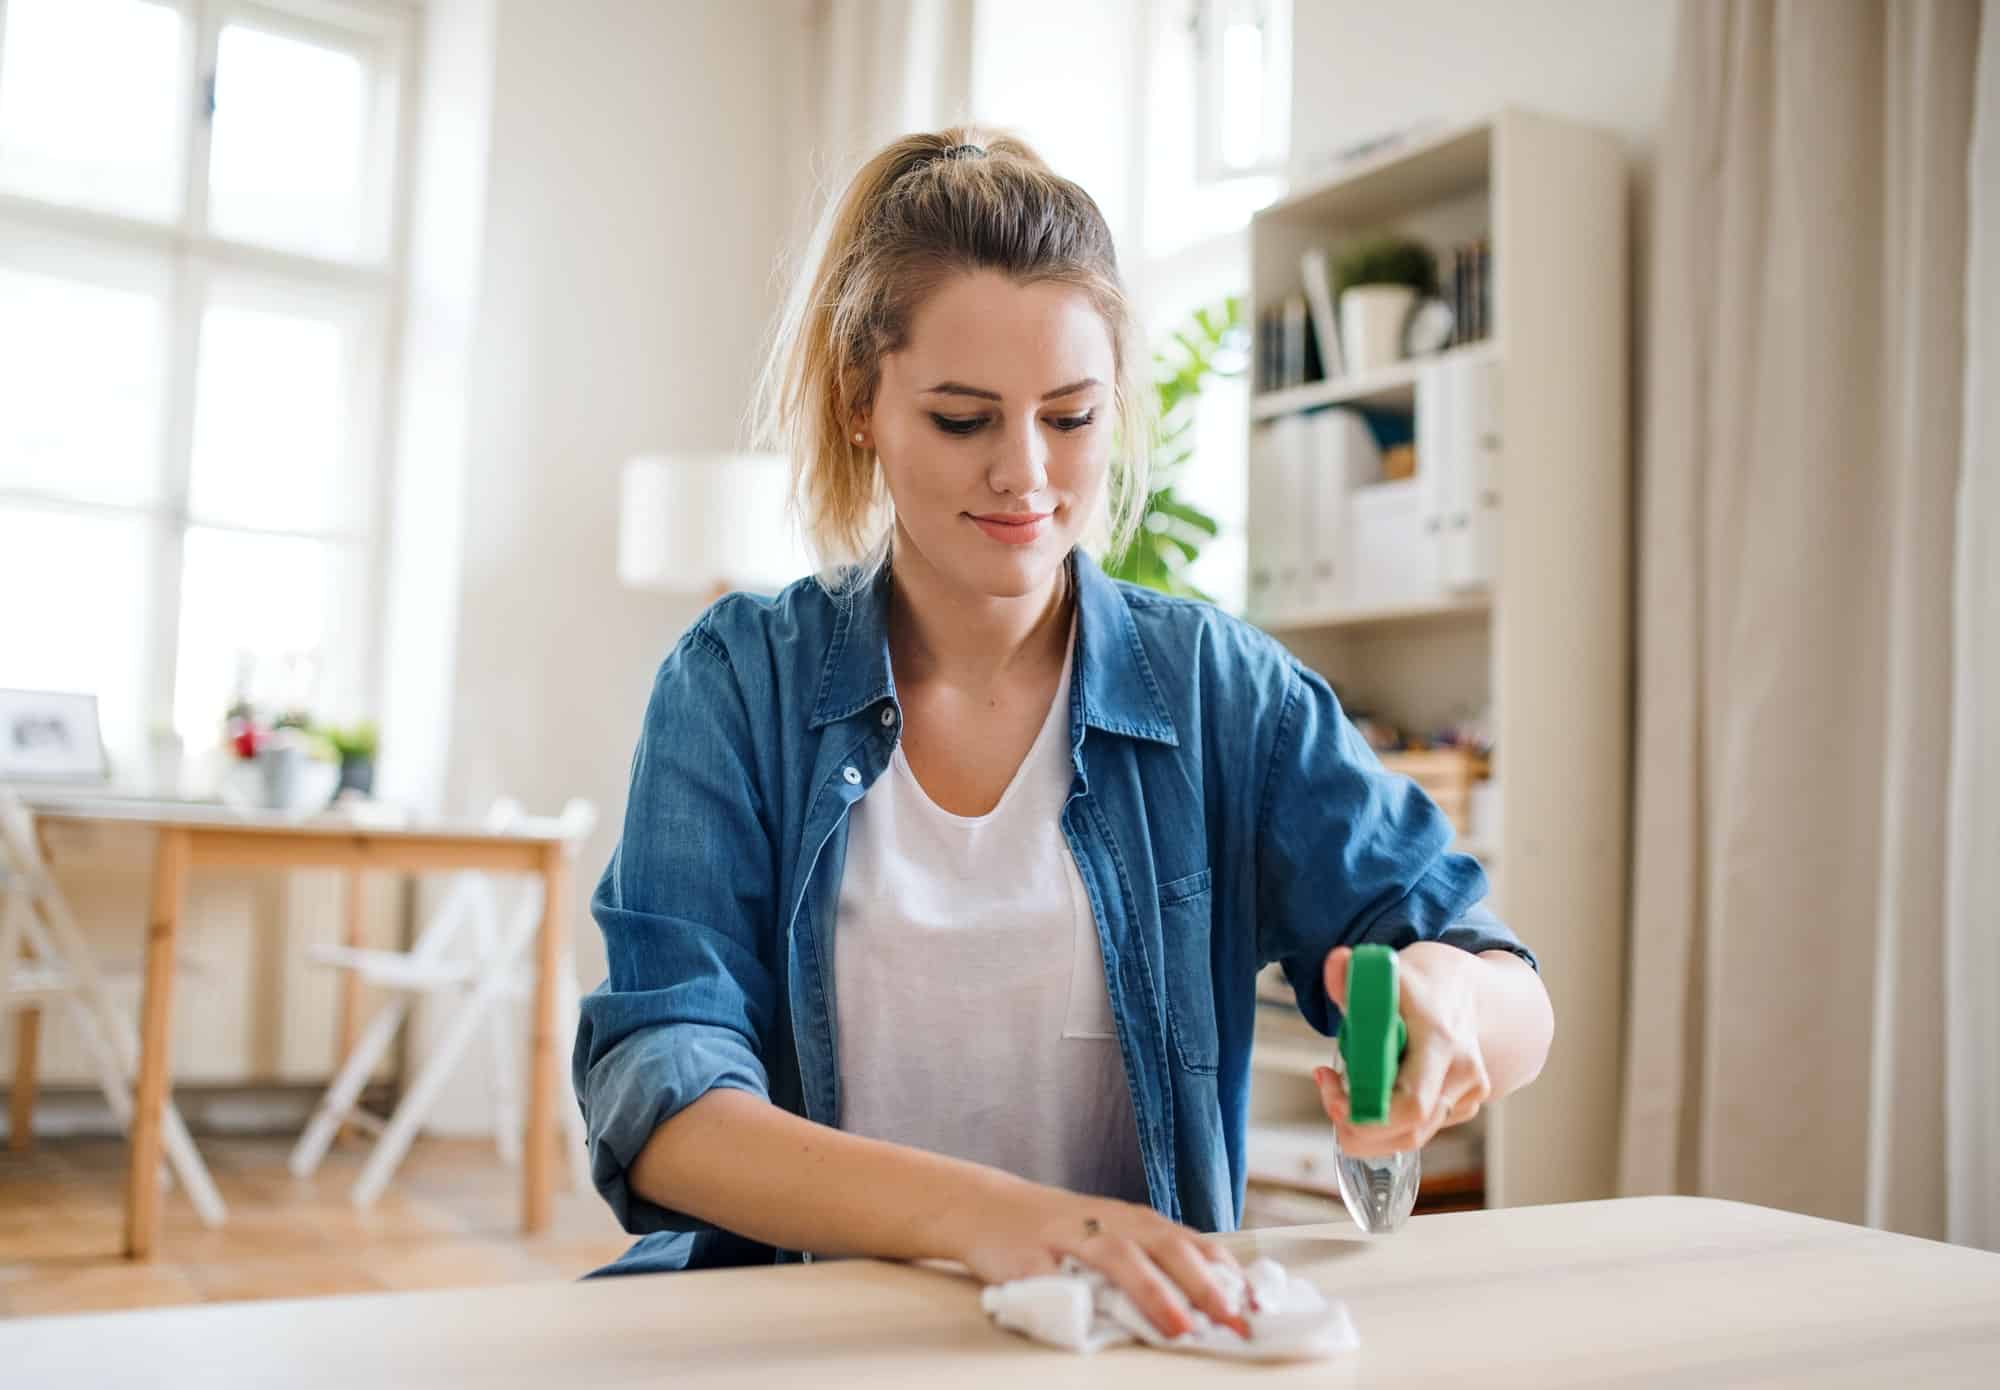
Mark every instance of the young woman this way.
pixel 945 877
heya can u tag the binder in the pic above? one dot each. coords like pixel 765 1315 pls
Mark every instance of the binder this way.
pixel 1276 533
pixel 1290 526
pixel 1344 456
pixel 1394 558
pixel 1458 465
pixel 1259 543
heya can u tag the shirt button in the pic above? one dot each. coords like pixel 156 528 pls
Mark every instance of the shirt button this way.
pixel 888 715
pixel 853 776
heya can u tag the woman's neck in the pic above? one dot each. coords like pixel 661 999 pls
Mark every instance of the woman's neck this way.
pixel 939 633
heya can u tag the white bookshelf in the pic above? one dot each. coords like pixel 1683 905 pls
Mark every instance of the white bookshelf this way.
pixel 1545 646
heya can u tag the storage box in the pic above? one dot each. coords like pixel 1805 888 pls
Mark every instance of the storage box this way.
pixel 1446 775
pixel 1395 560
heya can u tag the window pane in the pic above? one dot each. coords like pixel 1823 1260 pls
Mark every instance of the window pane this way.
pixel 277 618
pixel 289 143
pixel 82 381
pixel 278 440
pixel 72 615
pixel 1242 75
pixel 1182 209
pixel 92 106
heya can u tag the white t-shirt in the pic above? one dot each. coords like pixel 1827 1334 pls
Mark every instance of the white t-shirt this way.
pixel 969 982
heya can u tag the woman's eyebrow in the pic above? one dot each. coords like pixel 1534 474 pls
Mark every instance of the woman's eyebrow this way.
pixel 955 388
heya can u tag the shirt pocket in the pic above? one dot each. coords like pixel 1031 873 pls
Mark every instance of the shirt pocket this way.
pixel 1186 918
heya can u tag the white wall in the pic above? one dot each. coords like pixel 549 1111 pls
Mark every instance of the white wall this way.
pixel 641 182
pixel 1064 75
pixel 447 225
pixel 1363 69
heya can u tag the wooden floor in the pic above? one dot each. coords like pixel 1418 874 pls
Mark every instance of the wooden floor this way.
pixel 448 1220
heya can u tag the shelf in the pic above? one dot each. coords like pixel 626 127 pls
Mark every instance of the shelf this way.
pixel 1453 606
pixel 1426 166
pixel 1393 387
pixel 1301 1155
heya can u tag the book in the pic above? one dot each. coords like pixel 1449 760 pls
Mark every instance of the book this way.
pixel 1319 295
pixel 1292 368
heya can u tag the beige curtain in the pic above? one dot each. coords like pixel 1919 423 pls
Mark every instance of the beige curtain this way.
pixel 1972 948
pixel 1798 532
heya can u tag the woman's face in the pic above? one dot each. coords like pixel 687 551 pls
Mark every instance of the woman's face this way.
pixel 993 427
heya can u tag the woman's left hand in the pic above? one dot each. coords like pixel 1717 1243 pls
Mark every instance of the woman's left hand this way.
pixel 1442 1080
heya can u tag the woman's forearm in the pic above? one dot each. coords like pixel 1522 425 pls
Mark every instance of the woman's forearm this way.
pixel 741 1163
pixel 1516 1023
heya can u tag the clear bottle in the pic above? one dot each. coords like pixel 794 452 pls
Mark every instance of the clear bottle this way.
pixel 1379 1192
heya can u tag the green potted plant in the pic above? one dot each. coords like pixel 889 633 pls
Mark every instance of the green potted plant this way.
pixel 1378 282
pixel 1172 530
pixel 356 746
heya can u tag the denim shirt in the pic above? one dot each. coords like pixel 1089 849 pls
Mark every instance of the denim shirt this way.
pixel 1223 814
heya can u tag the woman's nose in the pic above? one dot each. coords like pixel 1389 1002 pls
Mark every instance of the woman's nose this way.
pixel 1021 466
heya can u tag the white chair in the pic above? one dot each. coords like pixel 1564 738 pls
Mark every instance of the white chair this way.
pixel 494 973
pixel 45 961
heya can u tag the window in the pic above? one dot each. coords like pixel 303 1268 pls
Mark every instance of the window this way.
pixel 1215 138
pixel 1243 88
pixel 1217 117
pixel 196 220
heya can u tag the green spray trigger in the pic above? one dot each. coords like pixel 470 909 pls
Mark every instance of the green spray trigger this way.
pixel 1379 1192
pixel 1372 1036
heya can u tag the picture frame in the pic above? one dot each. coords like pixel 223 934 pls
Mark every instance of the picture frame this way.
pixel 50 736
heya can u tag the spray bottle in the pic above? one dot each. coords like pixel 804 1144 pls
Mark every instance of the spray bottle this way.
pixel 1379 1192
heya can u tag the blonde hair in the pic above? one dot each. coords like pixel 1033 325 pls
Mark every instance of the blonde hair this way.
pixel 923 209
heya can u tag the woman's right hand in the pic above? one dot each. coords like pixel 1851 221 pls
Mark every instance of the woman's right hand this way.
pixel 1163 1267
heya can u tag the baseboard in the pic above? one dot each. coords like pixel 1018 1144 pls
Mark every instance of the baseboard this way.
pixel 81 1112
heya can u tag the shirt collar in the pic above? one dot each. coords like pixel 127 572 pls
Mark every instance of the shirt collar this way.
pixel 1113 677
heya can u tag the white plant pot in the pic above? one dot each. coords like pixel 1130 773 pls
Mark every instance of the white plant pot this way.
pixel 1371 324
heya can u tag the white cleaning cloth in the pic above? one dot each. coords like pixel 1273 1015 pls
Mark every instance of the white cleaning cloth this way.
pixel 1080 1310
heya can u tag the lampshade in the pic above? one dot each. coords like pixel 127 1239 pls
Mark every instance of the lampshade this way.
pixel 692 522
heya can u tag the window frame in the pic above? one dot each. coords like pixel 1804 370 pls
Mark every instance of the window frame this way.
pixel 1276 29
pixel 193 259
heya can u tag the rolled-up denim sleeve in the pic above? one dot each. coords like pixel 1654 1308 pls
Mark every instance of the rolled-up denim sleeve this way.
pixel 1349 853
pixel 686 907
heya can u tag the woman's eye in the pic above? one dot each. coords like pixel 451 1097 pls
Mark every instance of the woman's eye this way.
pixel 1070 423
pixel 956 424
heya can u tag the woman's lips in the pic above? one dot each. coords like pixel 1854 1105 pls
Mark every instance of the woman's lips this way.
pixel 1029 528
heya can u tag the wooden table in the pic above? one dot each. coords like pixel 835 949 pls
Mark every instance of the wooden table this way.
pixel 193 836
pixel 1656 1291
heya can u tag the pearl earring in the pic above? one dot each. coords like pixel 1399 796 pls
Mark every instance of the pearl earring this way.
pixel 858 436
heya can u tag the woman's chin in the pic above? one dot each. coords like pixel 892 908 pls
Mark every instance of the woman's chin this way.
pixel 1023 571
pixel 975 564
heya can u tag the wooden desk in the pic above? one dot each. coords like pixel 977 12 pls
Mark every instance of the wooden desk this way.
pixel 192 837
pixel 1659 1290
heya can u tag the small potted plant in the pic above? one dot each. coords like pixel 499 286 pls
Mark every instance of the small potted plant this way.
pixel 1378 282
pixel 356 746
